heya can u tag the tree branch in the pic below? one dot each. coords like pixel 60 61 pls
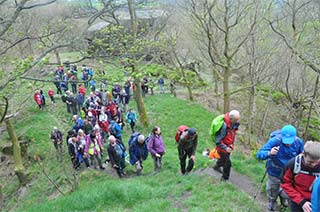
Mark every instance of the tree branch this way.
pixel 5 109
pixel 38 5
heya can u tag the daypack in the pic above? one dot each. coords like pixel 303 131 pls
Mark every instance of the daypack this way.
pixel 216 126
pixel 133 138
pixel 181 129
pixel 297 167
pixel 64 98
pixel 112 129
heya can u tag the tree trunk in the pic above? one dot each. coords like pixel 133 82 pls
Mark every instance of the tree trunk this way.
pixel 305 133
pixel 133 18
pixel 140 104
pixel 226 95
pixel 56 53
pixel 216 88
pixel 18 164
pixel 190 93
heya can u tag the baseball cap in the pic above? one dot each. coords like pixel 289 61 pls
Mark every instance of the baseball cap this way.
pixel 288 133
pixel 191 131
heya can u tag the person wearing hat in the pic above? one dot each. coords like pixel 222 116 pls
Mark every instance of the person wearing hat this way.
pixel 299 177
pixel 280 148
pixel 225 139
pixel 138 152
pixel 187 146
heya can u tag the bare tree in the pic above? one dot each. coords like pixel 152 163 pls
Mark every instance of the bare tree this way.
pixel 223 29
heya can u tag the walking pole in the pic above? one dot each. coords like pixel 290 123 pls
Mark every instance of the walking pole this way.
pixel 259 188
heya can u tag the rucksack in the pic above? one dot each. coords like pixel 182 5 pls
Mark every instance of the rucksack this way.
pixel 133 138
pixel 297 167
pixel 112 129
pixel 64 98
pixel 216 126
pixel 181 129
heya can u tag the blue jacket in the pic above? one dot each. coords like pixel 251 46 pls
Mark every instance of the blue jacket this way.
pixel 138 152
pixel 276 163
pixel 315 197
pixel 116 131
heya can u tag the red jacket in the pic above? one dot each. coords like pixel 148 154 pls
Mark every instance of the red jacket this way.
pixel 37 98
pixel 82 90
pixel 50 93
pixel 230 137
pixel 299 186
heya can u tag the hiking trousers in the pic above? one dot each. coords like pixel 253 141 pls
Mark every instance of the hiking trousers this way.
pixel 157 163
pixel 183 154
pixel 224 162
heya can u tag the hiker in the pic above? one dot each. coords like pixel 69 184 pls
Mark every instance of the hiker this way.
pixel 81 143
pixel 57 83
pixel 299 177
pixel 93 150
pixel 224 140
pixel 56 138
pixel 51 95
pixel 104 124
pixel 156 148
pixel 115 130
pixel 161 84
pixel 187 146
pixel 80 100
pixel 116 154
pixel 73 152
pixel 87 127
pixel 37 98
pixel 138 152
pixel 279 149
pixel 43 98
pixel 131 117
pixel 78 123
pixel 315 196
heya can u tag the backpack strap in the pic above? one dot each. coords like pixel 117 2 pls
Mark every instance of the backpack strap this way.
pixel 297 165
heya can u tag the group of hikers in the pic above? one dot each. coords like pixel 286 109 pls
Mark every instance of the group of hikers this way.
pixel 293 167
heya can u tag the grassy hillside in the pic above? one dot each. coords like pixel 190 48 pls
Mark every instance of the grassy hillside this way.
pixel 99 191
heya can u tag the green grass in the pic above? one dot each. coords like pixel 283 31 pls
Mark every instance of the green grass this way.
pixel 100 192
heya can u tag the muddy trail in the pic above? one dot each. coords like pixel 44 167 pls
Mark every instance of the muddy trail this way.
pixel 241 182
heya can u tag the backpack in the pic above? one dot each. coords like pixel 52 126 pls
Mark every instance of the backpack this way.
pixel 297 167
pixel 112 129
pixel 133 138
pixel 181 129
pixel 64 98
pixel 216 126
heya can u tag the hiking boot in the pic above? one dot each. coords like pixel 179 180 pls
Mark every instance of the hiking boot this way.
pixel 218 169
pixel 222 179
pixel 272 206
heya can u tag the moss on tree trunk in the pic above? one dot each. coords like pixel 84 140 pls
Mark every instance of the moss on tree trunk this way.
pixel 18 164
pixel 140 104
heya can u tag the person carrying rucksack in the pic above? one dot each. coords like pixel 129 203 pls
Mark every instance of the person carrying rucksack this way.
pixel 56 138
pixel 115 130
pixel 187 146
pixel 138 152
pixel 157 148
pixel 116 155
pixel 280 148
pixel 224 140
pixel 131 117
pixel 93 149
pixel 300 175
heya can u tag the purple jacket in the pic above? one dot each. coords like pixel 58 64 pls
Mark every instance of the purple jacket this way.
pixel 97 148
pixel 156 145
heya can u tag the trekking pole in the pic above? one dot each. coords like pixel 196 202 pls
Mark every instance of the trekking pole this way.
pixel 259 188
